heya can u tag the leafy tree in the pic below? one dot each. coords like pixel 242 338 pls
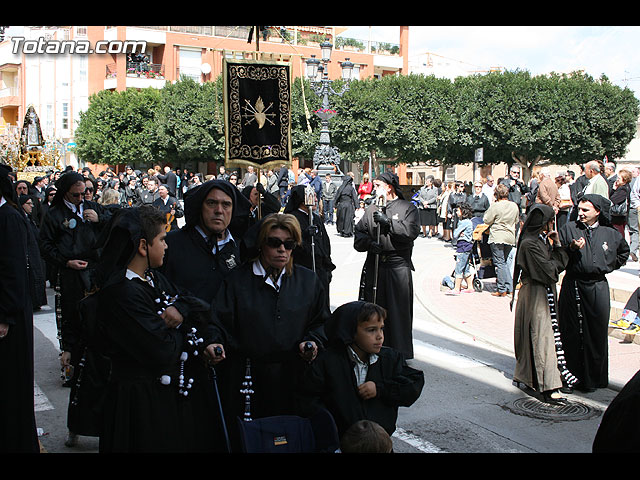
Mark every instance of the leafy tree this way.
pixel 117 127
pixel 189 121
pixel 527 120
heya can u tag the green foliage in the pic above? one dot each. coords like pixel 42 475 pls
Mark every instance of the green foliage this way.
pixel 189 122
pixel 514 116
pixel 118 127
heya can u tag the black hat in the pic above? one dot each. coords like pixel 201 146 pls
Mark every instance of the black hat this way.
pixel 391 179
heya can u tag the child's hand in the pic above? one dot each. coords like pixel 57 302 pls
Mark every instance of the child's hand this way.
pixel 367 390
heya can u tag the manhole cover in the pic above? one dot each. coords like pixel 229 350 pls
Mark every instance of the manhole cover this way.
pixel 535 408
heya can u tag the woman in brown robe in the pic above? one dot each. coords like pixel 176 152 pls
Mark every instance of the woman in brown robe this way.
pixel 539 261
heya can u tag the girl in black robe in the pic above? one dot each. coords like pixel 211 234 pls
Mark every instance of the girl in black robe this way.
pixel 584 303
pixel 346 203
pixel 268 313
pixel 17 418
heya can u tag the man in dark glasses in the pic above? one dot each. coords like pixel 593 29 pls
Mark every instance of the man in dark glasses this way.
pixel 68 236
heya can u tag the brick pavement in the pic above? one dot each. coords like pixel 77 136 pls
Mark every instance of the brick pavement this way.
pixel 489 318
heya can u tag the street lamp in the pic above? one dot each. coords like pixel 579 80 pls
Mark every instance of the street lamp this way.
pixel 326 157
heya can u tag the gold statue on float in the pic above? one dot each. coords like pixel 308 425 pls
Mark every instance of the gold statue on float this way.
pixel 27 153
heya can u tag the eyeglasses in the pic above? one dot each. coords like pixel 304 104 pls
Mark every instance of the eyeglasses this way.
pixel 275 242
pixel 76 195
pixel 88 190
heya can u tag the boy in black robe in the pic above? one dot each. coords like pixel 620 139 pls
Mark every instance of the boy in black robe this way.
pixel 399 226
pixel 595 249
pixel 356 378
pixel 146 328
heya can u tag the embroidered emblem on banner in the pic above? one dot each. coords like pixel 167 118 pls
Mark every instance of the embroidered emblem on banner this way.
pixel 257 112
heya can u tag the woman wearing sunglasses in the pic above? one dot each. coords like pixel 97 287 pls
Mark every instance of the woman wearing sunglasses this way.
pixel 271 313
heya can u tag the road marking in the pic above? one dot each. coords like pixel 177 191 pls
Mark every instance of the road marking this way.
pixel 40 400
pixel 416 442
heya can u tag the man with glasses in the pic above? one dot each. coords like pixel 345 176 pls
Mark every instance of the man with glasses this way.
pixel 203 252
pixel 68 236
pixel 516 186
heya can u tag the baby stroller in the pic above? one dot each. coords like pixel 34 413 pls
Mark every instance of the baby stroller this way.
pixel 476 283
pixel 290 434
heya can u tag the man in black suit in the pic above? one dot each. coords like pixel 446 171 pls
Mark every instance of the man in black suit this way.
pixel 169 179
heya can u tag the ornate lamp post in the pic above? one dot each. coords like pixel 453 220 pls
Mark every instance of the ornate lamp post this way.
pixel 326 156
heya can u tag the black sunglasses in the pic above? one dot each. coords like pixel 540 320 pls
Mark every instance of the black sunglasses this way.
pixel 275 242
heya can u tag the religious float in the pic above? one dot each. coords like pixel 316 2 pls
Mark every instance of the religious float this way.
pixel 27 152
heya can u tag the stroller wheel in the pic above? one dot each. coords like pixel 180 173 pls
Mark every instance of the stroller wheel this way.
pixel 477 285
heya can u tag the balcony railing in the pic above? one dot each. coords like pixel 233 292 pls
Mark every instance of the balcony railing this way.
pixel 137 69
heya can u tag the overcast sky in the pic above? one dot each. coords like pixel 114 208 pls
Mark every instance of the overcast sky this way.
pixel 610 50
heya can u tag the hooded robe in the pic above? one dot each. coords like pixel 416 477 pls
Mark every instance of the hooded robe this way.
pixel 190 261
pixel 346 203
pixel 144 409
pixel 330 381
pixel 539 263
pixel 65 236
pixel 17 418
pixel 394 289
pixel 584 303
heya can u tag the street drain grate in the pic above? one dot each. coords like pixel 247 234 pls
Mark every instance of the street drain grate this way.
pixel 537 409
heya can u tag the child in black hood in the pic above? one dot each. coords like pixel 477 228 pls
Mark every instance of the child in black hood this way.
pixel 356 377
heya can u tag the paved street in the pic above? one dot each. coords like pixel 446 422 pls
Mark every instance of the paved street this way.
pixel 464 348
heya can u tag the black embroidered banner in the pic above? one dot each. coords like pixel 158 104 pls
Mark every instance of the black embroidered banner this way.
pixel 257 101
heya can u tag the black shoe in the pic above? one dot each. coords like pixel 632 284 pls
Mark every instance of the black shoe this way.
pixel 566 389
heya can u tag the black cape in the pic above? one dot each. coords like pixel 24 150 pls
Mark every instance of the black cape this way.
pixel 192 264
pixel 395 282
pixel 330 381
pixel 266 326
pixel 17 418
pixel 346 204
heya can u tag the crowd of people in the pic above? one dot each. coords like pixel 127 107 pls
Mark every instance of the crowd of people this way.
pixel 152 316
pixel 531 233
pixel 147 311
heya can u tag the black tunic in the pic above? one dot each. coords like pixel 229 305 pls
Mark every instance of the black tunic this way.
pixel 395 282
pixel 302 254
pixel 63 236
pixel 585 339
pixel 346 204
pixel 17 418
pixel 330 382
pixel 142 414
pixel 194 266
pixel 267 326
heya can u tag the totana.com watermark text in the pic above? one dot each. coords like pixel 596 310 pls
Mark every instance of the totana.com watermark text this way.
pixel 79 47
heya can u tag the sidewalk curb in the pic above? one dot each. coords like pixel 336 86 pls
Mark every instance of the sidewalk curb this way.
pixel 422 296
